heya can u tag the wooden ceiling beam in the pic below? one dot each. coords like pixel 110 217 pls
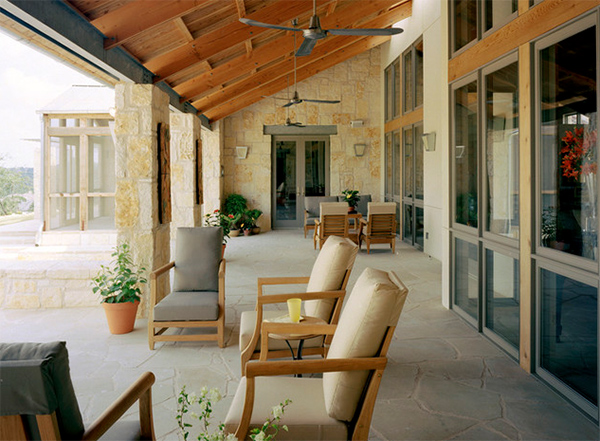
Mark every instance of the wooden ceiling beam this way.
pixel 194 88
pixel 183 29
pixel 230 107
pixel 139 16
pixel 210 44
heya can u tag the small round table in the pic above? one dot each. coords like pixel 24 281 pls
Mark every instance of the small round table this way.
pixel 301 337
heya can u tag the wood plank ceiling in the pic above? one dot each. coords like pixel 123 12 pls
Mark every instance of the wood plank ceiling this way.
pixel 220 65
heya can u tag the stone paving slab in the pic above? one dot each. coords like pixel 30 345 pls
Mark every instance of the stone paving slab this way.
pixel 444 381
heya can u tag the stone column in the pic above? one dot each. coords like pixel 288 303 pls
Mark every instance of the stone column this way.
pixel 212 157
pixel 185 133
pixel 139 110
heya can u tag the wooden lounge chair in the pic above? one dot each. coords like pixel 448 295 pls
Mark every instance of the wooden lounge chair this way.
pixel 333 221
pixel 380 226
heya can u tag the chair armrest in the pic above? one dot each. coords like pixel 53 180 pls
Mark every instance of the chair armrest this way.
pixel 363 221
pixel 262 281
pixel 282 298
pixel 140 390
pixel 222 268
pixel 161 270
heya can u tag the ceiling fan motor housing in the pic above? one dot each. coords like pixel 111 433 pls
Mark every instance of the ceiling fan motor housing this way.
pixel 314 31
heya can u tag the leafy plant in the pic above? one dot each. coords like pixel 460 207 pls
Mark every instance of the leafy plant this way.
pixel 548 225
pixel 13 183
pixel 120 282
pixel 250 218
pixel 224 221
pixel 351 196
pixel 235 204
pixel 205 402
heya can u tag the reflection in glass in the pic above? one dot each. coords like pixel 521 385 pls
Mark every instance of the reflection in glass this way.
pixel 466 278
pixel 101 164
pixel 408 81
pixel 314 162
pixel 465 141
pixel 397 163
pixel 419 74
pixel 419 227
pixel 389 166
pixel 408 222
pixel 64 164
pixel 568 146
pixel 496 12
pixel 502 151
pixel 408 163
pixel 419 189
pixel 64 213
pixel 502 313
pixel 285 153
pixel 569 339
pixel 389 92
pixel 465 22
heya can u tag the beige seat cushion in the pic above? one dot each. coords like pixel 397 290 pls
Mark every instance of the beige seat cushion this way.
pixel 335 258
pixel 306 417
pixel 374 304
pixel 248 322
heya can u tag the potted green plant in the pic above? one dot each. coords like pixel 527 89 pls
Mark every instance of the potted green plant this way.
pixel 235 204
pixel 352 198
pixel 251 216
pixel 119 288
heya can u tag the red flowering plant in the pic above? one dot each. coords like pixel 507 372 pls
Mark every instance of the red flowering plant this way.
pixel 218 219
pixel 578 153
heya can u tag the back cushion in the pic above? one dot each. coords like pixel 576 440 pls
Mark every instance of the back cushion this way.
pixel 197 258
pixel 35 379
pixel 335 258
pixel 374 304
pixel 382 207
pixel 311 203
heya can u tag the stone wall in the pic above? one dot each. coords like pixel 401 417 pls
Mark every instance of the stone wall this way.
pixel 357 83
pixel 139 110
pixel 212 157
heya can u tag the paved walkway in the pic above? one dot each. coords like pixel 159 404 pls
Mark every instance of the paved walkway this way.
pixel 444 380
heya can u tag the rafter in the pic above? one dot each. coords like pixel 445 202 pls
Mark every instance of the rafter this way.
pixel 221 111
pixel 234 33
pixel 196 87
pixel 140 16
pixel 183 29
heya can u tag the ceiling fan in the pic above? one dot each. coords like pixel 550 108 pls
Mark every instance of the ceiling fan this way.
pixel 315 32
pixel 296 98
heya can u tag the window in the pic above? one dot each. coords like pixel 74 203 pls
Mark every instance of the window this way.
pixel 412 197
pixel 412 77
pixel 465 23
pixel 502 151
pixel 497 12
pixel 466 282
pixel 392 90
pixel 80 163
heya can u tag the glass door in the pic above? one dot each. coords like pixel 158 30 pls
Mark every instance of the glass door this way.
pixel 412 196
pixel 301 168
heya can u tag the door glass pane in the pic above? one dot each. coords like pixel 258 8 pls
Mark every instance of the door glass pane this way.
pixel 568 145
pixel 465 141
pixel 502 151
pixel 408 163
pixel 101 164
pixel 419 227
pixel 502 312
pixel 285 153
pixel 419 189
pixel 419 74
pixel 465 22
pixel 408 81
pixel 467 277
pixel 64 213
pixel 408 223
pixel 64 164
pixel 314 158
pixel 389 166
pixel 569 334
pixel 397 164
pixel 389 92
pixel 496 12
pixel 396 106
pixel 101 213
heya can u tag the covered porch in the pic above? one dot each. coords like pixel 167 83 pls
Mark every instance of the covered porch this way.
pixel 444 380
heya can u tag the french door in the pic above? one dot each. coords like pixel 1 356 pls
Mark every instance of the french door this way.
pixel 300 168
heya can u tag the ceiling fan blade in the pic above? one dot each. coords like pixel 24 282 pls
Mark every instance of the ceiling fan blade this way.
pixel 266 25
pixel 306 47
pixel 366 32
pixel 323 101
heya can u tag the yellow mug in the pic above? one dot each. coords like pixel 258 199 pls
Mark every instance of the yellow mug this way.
pixel 294 306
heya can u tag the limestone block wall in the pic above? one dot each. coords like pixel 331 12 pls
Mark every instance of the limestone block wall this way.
pixel 185 131
pixel 139 110
pixel 356 82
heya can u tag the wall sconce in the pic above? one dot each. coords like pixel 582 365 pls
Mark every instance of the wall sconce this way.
pixel 242 152
pixel 429 141
pixel 359 149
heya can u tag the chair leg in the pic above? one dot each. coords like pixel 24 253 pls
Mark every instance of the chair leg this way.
pixel 305 230
pixel 393 246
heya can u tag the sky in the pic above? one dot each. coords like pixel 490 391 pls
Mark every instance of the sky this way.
pixel 29 80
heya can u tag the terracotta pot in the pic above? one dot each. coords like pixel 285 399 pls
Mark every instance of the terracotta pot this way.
pixel 256 230
pixel 121 316
pixel 351 209
pixel 247 232
pixel 234 233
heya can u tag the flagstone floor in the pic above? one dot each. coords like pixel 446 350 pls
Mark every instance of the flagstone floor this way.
pixel 444 381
